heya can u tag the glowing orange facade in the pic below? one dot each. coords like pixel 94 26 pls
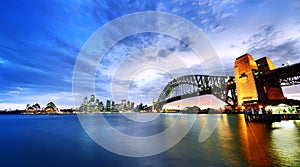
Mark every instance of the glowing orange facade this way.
pixel 271 90
pixel 250 88
pixel 244 78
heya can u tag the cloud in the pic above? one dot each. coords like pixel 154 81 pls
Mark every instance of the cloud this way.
pixel 61 99
pixel 65 46
pixel 35 64
pixel 14 92
pixel 137 45
pixel 265 36
pixel 269 42
pixel 101 11
pixel 3 61
pixel 12 106
pixel 276 52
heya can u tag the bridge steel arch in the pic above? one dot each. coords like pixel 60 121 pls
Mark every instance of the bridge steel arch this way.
pixel 223 87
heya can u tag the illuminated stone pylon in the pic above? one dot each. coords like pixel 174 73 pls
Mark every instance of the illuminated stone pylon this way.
pixel 250 86
pixel 268 88
pixel 244 66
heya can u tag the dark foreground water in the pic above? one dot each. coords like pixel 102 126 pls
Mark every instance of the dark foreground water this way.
pixel 59 140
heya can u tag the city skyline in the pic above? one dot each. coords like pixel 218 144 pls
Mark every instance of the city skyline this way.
pixel 93 104
pixel 86 101
pixel 41 40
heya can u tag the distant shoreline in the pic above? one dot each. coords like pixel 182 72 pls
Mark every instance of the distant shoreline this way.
pixel 21 112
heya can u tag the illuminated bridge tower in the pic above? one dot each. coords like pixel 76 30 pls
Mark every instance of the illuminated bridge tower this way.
pixel 244 67
pixel 268 89
pixel 250 86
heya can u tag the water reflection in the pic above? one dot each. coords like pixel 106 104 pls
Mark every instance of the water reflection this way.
pixel 254 142
pixel 232 143
pixel 259 144
pixel 227 146
pixel 285 144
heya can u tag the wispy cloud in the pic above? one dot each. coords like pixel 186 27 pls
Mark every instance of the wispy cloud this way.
pixel 273 43
pixel 61 99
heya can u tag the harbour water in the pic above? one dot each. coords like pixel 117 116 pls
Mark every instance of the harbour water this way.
pixel 60 140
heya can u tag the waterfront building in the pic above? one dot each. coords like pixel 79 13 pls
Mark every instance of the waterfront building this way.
pixel 92 98
pixel 128 105
pixel 30 109
pixel 108 105
pixel 113 107
pixel 153 104
pixel 132 105
pixel 35 108
pixel 95 105
pixel 118 107
pixel 50 108
pixel 250 87
pixel 123 105
pixel 85 100
pixel 91 106
pixel 101 106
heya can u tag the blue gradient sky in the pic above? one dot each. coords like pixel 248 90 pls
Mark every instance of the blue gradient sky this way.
pixel 40 40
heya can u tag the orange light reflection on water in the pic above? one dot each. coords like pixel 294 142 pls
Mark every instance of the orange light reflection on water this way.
pixel 254 139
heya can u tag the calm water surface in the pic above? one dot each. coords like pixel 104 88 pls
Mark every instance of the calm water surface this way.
pixel 59 140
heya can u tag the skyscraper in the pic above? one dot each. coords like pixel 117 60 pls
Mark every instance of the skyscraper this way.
pixel 128 105
pixel 92 98
pixel 108 105
pixel 123 105
pixel 101 106
pixel 113 105
pixel 85 101
pixel 132 105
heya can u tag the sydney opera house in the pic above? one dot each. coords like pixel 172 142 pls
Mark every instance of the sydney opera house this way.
pixel 50 108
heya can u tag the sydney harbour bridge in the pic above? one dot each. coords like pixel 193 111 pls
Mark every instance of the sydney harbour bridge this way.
pixel 225 87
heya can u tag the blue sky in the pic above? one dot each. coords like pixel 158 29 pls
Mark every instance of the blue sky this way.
pixel 40 41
